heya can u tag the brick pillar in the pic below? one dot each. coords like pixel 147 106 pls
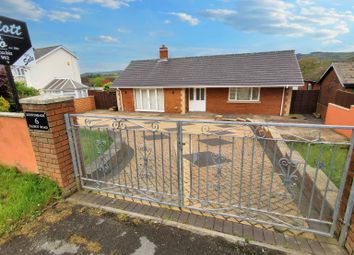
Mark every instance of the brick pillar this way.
pixel 51 147
pixel 349 241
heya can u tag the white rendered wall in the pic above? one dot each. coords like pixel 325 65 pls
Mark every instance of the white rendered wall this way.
pixel 58 64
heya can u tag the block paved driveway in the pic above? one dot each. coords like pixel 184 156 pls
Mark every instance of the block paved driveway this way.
pixel 72 229
pixel 223 165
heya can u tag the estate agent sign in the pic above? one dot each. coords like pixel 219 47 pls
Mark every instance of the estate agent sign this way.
pixel 37 120
pixel 14 40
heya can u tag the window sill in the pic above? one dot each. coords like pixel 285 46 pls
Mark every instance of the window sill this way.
pixel 243 102
pixel 143 110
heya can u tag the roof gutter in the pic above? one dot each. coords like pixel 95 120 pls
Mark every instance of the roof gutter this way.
pixel 205 86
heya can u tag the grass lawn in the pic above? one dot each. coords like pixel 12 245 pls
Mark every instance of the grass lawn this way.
pixel 22 196
pixel 94 143
pixel 326 158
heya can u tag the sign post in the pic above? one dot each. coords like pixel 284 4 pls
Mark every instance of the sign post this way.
pixel 14 42
pixel 12 85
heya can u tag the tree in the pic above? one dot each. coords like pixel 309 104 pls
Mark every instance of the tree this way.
pixel 97 81
pixel 4 89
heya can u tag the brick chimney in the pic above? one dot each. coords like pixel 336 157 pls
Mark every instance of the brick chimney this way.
pixel 163 52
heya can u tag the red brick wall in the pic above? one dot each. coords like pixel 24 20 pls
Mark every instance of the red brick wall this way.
pixel 270 102
pixel 329 85
pixel 349 244
pixel 173 100
pixel 84 104
pixel 128 100
pixel 328 90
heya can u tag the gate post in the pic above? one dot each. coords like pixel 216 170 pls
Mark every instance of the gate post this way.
pixel 51 147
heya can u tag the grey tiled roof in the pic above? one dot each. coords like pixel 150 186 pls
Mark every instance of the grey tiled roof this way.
pixel 278 68
pixel 64 85
pixel 40 52
pixel 345 73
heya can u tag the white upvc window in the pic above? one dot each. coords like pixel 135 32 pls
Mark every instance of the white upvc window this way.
pixel 149 100
pixel 18 71
pixel 250 94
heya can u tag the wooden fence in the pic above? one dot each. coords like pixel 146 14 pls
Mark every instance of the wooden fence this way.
pixel 104 99
pixel 304 101
pixel 344 98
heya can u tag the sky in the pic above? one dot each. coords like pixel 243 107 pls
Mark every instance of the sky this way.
pixel 107 34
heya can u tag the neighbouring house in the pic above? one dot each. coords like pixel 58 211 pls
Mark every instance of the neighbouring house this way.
pixel 50 63
pixel 310 85
pixel 86 81
pixel 336 80
pixel 66 87
pixel 250 83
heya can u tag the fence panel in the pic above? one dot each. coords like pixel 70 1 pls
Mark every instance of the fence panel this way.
pixel 304 101
pixel 344 98
pixel 104 99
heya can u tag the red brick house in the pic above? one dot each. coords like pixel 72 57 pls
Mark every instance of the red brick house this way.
pixel 251 83
pixel 338 76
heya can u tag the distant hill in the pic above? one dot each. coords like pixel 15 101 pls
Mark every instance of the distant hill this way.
pixel 314 64
pixel 108 73
pixel 99 79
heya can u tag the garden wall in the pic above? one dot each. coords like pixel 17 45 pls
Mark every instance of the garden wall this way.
pixel 84 104
pixel 15 143
pixel 339 115
pixel 276 145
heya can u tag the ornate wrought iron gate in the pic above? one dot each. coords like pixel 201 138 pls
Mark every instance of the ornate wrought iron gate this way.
pixel 285 175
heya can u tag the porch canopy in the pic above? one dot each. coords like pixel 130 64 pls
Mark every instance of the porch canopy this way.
pixel 66 86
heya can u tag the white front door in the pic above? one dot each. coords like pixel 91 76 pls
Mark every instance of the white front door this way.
pixel 197 99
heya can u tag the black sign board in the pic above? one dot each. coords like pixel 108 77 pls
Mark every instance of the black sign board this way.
pixel 14 40
pixel 37 120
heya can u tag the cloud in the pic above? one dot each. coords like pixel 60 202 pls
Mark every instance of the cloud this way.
pixel 186 18
pixel 101 38
pixel 332 41
pixel 63 16
pixel 122 30
pixel 167 21
pixel 21 9
pixel 113 4
pixel 30 10
pixel 278 17
pixel 304 2
pixel 160 34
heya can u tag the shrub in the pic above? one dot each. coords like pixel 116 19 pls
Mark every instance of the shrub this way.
pixel 4 105
pixel 24 91
pixel 96 81
pixel 107 86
